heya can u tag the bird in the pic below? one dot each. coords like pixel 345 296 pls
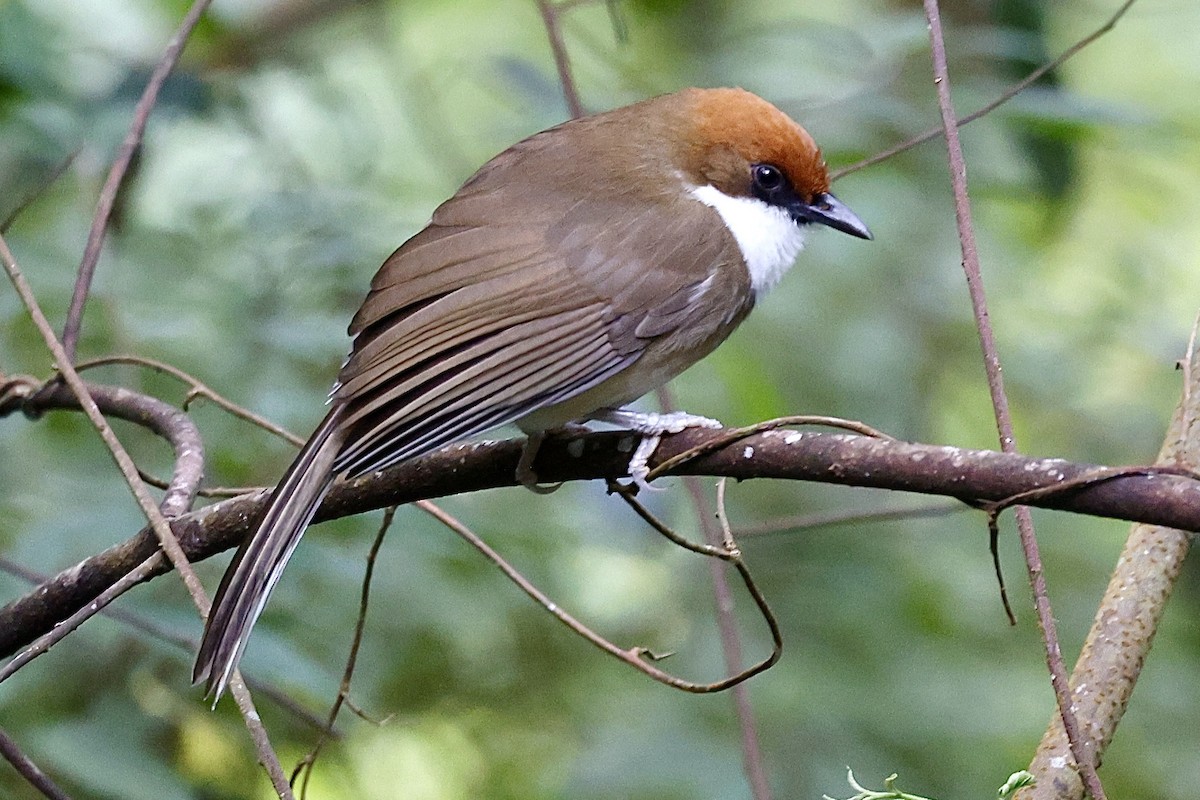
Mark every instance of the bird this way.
pixel 576 271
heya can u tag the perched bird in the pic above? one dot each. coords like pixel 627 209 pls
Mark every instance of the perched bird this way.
pixel 576 271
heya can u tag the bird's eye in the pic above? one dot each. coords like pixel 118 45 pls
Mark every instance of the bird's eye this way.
pixel 767 178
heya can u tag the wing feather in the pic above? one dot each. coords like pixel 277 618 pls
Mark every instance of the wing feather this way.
pixel 499 377
pixel 497 357
pixel 448 323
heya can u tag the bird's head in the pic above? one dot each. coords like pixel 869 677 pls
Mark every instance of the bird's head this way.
pixel 748 149
pixel 760 171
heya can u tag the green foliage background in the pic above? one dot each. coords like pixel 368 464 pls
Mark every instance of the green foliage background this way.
pixel 291 153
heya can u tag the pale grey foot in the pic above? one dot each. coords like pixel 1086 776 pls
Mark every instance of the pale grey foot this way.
pixel 651 425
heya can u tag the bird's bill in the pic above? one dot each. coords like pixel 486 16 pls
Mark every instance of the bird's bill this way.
pixel 825 209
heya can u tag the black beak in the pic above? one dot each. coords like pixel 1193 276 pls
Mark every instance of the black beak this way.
pixel 825 209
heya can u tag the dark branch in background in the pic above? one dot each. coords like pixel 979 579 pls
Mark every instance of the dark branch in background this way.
pixel 152 565
pixel 53 175
pixel 116 174
pixel 852 516
pixel 1008 94
pixel 1160 499
pixel 196 389
pixel 995 380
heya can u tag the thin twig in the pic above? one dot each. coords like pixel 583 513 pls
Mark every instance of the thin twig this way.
pixel 993 526
pixel 1005 96
pixel 28 770
pixel 1080 749
pixel 637 657
pixel 1083 481
pixel 724 549
pixel 306 764
pixel 196 388
pixel 551 19
pixel 219 492
pixel 629 495
pixel 728 436
pixel 753 761
pixel 116 174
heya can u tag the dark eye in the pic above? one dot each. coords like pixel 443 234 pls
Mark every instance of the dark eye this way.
pixel 767 178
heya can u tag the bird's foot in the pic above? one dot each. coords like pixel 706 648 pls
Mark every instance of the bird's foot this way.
pixel 651 426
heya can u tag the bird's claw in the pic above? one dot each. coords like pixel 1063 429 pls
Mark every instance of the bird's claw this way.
pixel 639 463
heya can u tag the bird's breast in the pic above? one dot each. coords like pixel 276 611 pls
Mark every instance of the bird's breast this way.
pixel 768 238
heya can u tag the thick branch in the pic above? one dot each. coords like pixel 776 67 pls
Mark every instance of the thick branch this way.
pixel 1168 500
pixel 1128 617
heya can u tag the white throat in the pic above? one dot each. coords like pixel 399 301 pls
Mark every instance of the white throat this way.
pixel 766 235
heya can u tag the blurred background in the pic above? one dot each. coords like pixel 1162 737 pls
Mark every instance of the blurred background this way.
pixel 300 141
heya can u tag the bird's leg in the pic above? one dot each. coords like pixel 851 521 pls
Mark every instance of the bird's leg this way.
pixel 651 426
pixel 526 475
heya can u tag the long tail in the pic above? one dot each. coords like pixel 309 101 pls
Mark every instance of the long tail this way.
pixel 260 560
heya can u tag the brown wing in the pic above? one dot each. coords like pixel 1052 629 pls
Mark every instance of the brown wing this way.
pixel 504 306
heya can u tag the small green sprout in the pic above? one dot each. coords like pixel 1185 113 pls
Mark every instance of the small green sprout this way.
pixel 1015 781
pixel 890 791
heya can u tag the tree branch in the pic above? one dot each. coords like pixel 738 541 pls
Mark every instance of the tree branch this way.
pixel 1126 620
pixel 1138 495
pixel 157 416
pixel 995 379
pixel 29 770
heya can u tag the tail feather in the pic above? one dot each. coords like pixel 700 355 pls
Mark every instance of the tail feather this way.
pixel 259 562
